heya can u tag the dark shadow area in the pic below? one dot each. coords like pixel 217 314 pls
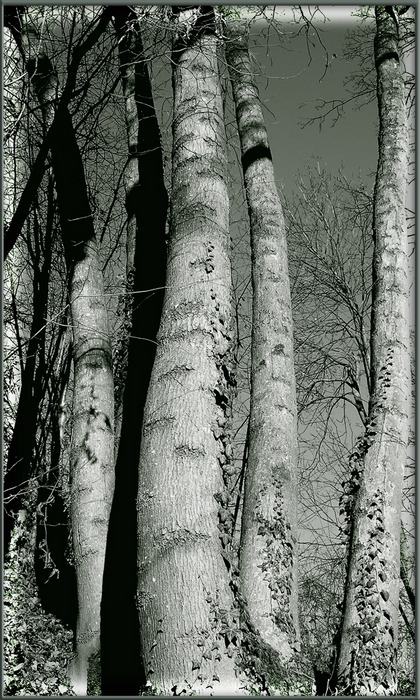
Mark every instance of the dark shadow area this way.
pixel 255 153
pixel 55 576
pixel 322 682
pixel 146 202
pixel 122 672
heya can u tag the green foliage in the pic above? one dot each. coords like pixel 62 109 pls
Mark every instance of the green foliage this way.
pixel 36 645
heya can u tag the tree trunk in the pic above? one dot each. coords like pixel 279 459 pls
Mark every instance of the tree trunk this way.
pixel 92 452
pixel 92 440
pixel 268 556
pixel 368 636
pixel 146 204
pixel 185 603
pixel 92 449
pixel 145 247
pixel 15 271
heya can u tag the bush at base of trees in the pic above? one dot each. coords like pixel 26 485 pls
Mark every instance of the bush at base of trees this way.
pixel 37 647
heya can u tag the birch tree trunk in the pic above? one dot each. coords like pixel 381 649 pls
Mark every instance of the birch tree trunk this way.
pixel 268 556
pixel 369 633
pixel 185 602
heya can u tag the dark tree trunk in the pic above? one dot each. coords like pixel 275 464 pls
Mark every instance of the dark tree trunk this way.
pixel 19 467
pixel 12 18
pixel 146 203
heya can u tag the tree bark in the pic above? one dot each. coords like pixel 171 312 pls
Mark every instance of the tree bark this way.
pixel 185 603
pixel 369 632
pixel 268 548
pixel 92 445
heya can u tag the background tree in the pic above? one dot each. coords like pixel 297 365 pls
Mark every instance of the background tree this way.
pixel 328 221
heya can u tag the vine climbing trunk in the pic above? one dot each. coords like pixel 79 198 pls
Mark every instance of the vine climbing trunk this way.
pixel 368 637
pixel 184 598
pixel 268 556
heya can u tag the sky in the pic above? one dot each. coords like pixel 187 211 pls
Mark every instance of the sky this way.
pixel 291 91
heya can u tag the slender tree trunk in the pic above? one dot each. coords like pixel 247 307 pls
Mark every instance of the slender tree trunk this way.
pixel 25 269
pixel 146 204
pixel 92 448
pixel 17 274
pixel 92 452
pixel 185 603
pixel 268 556
pixel 145 247
pixel 368 635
